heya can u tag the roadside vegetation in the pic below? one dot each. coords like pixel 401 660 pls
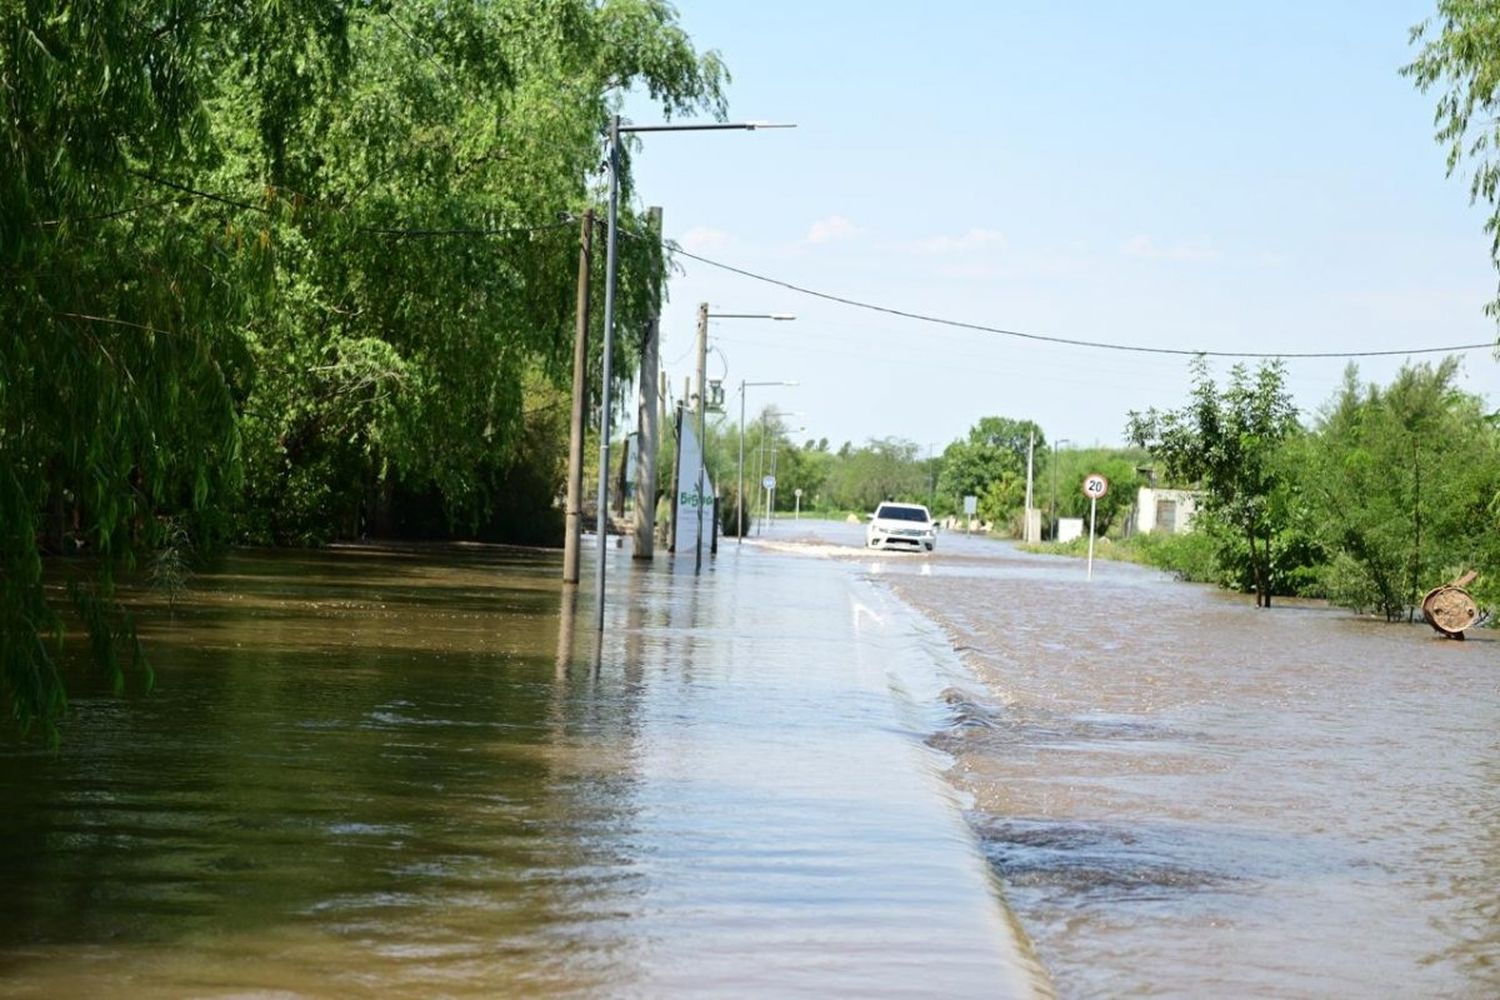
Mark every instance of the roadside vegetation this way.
pixel 1386 492
pixel 290 272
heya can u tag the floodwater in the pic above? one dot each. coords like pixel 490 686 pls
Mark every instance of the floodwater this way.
pixel 1186 796
pixel 417 772
pixel 380 772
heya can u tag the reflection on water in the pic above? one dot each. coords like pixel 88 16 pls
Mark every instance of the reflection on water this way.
pixel 1186 796
pixel 357 774
pixel 378 772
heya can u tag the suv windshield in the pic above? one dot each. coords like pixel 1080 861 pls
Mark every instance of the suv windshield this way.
pixel 892 512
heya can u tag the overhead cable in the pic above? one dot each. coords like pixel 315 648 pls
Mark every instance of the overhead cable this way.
pixel 1045 338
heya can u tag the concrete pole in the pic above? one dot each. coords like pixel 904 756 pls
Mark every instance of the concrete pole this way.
pixel 702 424
pixel 1030 486
pixel 760 476
pixel 1054 491
pixel 608 361
pixel 573 522
pixel 646 423
pixel 739 499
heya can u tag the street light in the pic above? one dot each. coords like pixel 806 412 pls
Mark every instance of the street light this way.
pixel 703 317
pixel 615 128
pixel 740 499
pixel 1059 441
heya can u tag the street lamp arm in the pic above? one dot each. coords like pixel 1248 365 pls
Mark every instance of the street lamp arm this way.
pixel 703 127
pixel 776 316
pixel 616 128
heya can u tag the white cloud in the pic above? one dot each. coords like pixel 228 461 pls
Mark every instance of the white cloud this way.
pixel 1146 248
pixel 834 227
pixel 975 239
pixel 705 239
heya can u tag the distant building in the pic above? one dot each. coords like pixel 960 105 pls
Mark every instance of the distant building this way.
pixel 1168 511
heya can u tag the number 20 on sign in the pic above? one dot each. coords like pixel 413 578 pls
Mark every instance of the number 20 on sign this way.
pixel 1094 487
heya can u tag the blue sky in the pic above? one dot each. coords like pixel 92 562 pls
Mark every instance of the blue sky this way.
pixel 1187 175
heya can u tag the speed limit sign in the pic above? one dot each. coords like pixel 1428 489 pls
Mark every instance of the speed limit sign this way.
pixel 1094 487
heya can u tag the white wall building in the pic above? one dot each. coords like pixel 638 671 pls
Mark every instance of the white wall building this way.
pixel 1169 511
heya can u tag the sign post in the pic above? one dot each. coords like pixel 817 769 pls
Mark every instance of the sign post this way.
pixel 1094 487
pixel 971 504
pixel 798 494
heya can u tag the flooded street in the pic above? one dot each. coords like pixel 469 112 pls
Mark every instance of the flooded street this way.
pixel 415 772
pixel 1185 796
pixel 373 772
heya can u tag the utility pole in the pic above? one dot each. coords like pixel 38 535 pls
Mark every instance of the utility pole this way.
pixel 1030 489
pixel 760 473
pixel 1054 491
pixel 615 129
pixel 1055 445
pixel 702 424
pixel 574 507
pixel 646 422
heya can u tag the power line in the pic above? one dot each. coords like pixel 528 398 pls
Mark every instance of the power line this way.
pixel 1045 338
pixel 470 231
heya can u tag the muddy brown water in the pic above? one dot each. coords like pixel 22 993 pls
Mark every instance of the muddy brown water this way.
pixel 411 773
pixel 1186 796
pixel 414 773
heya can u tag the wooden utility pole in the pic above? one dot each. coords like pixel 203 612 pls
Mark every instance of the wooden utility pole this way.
pixel 573 524
pixel 646 423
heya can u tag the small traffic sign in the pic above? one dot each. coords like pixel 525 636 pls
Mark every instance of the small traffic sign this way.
pixel 769 482
pixel 1095 486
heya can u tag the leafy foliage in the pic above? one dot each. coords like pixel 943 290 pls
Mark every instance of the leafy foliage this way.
pixel 988 462
pixel 883 469
pixel 1403 478
pixel 282 268
pixel 1072 465
pixel 1460 55
pixel 1230 442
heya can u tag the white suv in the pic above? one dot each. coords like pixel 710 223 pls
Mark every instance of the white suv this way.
pixel 901 525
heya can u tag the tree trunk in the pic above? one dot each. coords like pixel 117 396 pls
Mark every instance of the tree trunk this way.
pixel 56 523
pixel 383 517
pixel 1257 571
pixel 1266 553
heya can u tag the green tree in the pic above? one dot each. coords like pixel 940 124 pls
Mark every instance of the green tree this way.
pixel 1460 56
pixel 425 278
pixel 305 246
pixel 1403 478
pixel 126 298
pixel 988 462
pixel 884 469
pixel 1231 443
pixel 1116 465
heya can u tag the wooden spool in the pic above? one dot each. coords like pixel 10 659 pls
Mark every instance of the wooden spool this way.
pixel 1450 609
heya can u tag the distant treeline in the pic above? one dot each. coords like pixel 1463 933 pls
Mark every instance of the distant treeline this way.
pixel 1387 492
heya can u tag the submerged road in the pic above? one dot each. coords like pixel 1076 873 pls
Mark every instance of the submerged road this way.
pixel 414 772
pixel 1187 796
pixel 374 772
